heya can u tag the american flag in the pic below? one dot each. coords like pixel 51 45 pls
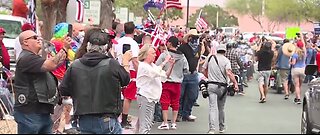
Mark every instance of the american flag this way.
pixel 158 36
pixel 201 23
pixel 32 13
pixel 173 4
pixel 80 11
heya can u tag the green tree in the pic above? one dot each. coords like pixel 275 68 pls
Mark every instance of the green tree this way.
pixel 209 13
pixel 253 8
pixel 311 10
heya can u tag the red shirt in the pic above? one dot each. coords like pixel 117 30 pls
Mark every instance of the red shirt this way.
pixel 19 8
pixel 5 56
pixel 318 60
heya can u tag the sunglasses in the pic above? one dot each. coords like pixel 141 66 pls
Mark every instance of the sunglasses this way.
pixel 35 37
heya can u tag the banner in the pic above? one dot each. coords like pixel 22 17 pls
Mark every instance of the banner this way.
pixel 291 32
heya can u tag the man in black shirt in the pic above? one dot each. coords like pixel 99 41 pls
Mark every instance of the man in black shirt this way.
pixel 36 88
pixel 189 87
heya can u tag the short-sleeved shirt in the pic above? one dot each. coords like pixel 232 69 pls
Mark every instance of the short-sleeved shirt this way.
pixel 134 47
pixel 264 60
pixel 300 62
pixel 214 73
pixel 29 64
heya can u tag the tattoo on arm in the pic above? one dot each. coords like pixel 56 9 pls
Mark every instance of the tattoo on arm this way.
pixel 60 57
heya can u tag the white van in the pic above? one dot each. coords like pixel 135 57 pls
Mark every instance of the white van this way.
pixel 12 25
pixel 229 30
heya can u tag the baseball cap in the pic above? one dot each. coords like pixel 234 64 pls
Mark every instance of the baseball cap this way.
pixel 174 41
pixel 99 38
pixel 222 47
pixel 27 26
pixel 2 30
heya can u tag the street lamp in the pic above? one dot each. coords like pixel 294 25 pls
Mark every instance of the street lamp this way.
pixel 187 14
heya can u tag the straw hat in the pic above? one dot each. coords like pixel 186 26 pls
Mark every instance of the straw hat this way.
pixel 288 49
pixel 191 32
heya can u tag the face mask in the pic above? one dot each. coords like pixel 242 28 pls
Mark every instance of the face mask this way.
pixel 81 35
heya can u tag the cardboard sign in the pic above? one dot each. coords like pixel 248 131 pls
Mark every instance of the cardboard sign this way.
pixel 291 32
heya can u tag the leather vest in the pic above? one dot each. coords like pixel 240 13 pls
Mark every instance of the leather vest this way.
pixel 95 90
pixel 35 87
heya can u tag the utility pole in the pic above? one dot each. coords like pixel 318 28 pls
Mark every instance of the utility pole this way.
pixel 187 25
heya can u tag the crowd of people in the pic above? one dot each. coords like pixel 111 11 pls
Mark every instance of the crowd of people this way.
pixel 86 81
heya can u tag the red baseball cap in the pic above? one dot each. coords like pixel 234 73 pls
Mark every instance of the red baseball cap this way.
pixel 27 26
pixel 299 44
pixel 2 30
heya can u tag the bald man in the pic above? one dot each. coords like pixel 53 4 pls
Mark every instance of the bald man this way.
pixel 36 88
pixel 78 33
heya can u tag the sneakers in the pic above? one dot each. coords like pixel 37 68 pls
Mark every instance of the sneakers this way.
pixel 126 125
pixel 174 126
pixel 210 131
pixel 196 104
pixel 241 93
pixel 71 131
pixel 286 97
pixel 164 126
pixel 297 101
pixel 192 117
pixel 222 130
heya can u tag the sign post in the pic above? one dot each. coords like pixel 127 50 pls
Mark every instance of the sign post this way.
pixel 92 12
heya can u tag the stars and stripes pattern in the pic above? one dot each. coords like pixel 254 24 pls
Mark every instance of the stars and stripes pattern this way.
pixel 158 36
pixel 173 4
pixel 31 18
pixel 80 11
pixel 201 23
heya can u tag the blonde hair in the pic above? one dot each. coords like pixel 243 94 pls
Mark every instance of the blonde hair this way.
pixel 143 53
pixel 301 53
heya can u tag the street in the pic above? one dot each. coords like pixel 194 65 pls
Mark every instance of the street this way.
pixel 244 114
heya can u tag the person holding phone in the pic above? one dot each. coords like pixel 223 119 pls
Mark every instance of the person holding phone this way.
pixel 129 93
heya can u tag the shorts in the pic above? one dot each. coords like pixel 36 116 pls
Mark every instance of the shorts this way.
pixel 298 72
pixel 264 77
pixel 131 90
pixel 284 74
pixel 170 96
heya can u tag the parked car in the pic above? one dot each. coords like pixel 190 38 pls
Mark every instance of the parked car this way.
pixel 310 120
pixel 12 25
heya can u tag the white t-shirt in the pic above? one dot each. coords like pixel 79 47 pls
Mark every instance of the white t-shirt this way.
pixel 17 48
pixel 134 47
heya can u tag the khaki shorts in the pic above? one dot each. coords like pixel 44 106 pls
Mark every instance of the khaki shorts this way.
pixel 284 74
pixel 264 77
pixel 298 72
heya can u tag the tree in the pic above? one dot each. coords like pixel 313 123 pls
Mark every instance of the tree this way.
pixel 209 14
pixel 253 8
pixel 311 9
pixel 106 14
pixel 49 12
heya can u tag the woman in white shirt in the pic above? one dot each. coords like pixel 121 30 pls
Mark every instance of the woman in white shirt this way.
pixel 149 83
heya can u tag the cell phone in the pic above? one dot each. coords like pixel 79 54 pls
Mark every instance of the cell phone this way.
pixel 125 48
pixel 69 30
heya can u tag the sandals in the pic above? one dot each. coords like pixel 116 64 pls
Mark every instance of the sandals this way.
pixel 262 100
pixel 286 97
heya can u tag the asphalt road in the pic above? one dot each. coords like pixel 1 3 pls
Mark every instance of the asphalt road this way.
pixel 244 115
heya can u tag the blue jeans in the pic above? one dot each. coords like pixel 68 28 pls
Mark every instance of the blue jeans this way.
pixel 90 124
pixel 33 123
pixel 189 94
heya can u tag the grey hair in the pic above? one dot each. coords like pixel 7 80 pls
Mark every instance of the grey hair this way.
pixel 97 48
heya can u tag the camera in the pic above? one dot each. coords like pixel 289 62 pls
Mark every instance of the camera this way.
pixel 230 90
pixel 203 85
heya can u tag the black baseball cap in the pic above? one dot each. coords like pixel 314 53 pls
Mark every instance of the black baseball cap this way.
pixel 99 38
pixel 174 41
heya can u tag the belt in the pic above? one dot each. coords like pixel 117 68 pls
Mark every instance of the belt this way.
pixel 218 83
